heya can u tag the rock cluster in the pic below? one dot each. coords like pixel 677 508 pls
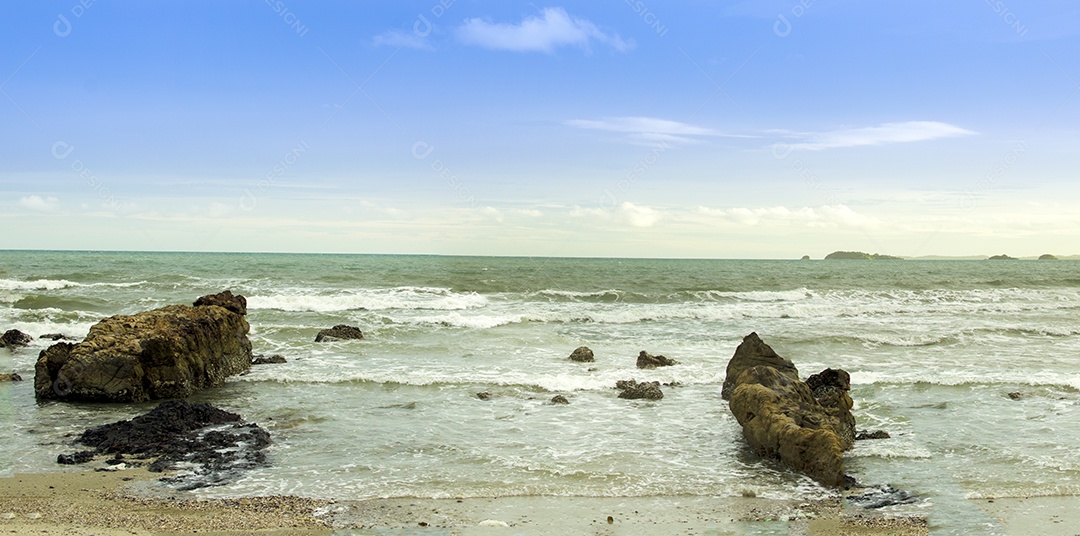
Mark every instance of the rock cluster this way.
pixel 781 417
pixel 218 442
pixel 170 352
pixel 632 389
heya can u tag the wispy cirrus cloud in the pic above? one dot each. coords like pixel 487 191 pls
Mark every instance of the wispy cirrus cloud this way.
pixel 885 133
pixel 649 129
pixel 552 29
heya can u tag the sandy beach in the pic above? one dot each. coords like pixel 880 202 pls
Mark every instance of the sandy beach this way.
pixel 107 503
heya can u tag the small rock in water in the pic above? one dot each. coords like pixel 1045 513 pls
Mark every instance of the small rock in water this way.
pixel 339 332
pixel 881 496
pixel 559 399
pixel 1016 395
pixel 583 354
pixel 13 377
pixel 13 338
pixel 274 359
pixel 483 395
pixel 76 458
pixel 877 434
pixel 645 360
pixel 631 389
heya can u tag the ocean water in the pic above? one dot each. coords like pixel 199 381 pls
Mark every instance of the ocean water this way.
pixel 933 348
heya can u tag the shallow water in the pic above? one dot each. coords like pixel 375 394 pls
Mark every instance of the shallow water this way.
pixel 933 349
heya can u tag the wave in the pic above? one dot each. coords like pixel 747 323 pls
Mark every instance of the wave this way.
pixel 58 284
pixel 959 378
pixel 371 300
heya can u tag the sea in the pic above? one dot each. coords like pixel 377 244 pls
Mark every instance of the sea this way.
pixel 972 367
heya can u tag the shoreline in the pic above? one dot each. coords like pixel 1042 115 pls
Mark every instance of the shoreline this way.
pixel 108 503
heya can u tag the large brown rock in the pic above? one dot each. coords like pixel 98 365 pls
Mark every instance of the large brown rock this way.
pixel 169 352
pixel 781 418
pixel 13 338
pixel 753 352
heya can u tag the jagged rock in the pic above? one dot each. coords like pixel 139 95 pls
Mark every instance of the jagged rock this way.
pixel 877 434
pixel 82 456
pixel 631 389
pixel 781 418
pixel 751 353
pixel 169 352
pixel 830 388
pixel 339 332
pixel 582 354
pixel 55 337
pixel 275 359
pixel 226 299
pixel 13 377
pixel 14 338
pixel 559 399
pixel 645 360
pixel 218 442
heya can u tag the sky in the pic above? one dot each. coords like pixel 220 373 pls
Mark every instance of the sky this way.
pixel 626 128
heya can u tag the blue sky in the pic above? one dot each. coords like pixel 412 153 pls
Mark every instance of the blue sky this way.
pixel 764 129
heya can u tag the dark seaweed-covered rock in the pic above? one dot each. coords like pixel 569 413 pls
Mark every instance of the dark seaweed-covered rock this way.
pixel 170 352
pixel 55 337
pixel 631 389
pixel 880 496
pixel 877 434
pixel 14 338
pixel 82 456
pixel 218 442
pixel 582 354
pixel 559 399
pixel 272 360
pixel 645 360
pixel 339 332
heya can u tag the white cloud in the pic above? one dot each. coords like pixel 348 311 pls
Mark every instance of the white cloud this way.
pixel 636 215
pixel 907 131
pixel 398 38
pixel 529 212
pixel 648 128
pixel 552 29
pixel 823 216
pixel 36 202
pixel 492 213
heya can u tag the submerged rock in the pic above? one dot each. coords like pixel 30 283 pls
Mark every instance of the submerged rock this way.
pixel 751 353
pixel 170 352
pixel 631 389
pixel 13 377
pixel 645 360
pixel 275 359
pixel 55 337
pixel 338 333
pixel 877 434
pixel 782 419
pixel 217 442
pixel 582 354
pixel 559 399
pixel 14 338
pixel 880 496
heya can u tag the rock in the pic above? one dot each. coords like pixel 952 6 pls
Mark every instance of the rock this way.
pixel 559 399
pixel 631 389
pixel 582 354
pixel 339 332
pixel 13 377
pixel 218 443
pixel 805 258
pixel 236 304
pixel 645 360
pixel 830 388
pixel 880 496
pixel 877 434
pixel 275 359
pixel 169 352
pixel 1048 257
pixel 782 419
pixel 82 456
pixel 483 395
pixel 1016 395
pixel 55 337
pixel 751 353
pixel 14 338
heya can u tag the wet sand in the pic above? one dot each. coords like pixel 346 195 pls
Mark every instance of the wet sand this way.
pixel 105 503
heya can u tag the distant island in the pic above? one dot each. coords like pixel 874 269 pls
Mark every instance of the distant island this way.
pixel 1047 257
pixel 805 258
pixel 860 256
pixel 1002 257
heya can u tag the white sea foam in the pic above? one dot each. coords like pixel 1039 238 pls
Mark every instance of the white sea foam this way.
pixel 371 299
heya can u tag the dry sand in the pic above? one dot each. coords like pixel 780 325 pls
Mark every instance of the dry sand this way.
pixel 101 503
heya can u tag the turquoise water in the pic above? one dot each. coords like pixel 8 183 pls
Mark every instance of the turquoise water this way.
pixel 933 349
